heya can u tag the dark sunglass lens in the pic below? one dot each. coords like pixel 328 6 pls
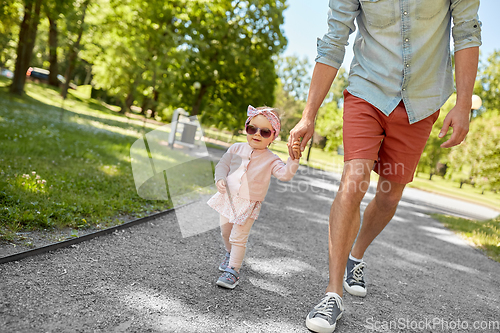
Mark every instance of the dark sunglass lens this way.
pixel 251 129
pixel 265 133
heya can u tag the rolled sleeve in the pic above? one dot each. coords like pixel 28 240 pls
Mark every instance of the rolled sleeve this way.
pixel 467 34
pixel 466 25
pixel 331 48
pixel 329 54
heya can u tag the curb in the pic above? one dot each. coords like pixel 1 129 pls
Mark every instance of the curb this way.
pixel 69 242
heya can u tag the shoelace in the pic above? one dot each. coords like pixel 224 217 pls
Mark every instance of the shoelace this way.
pixel 229 276
pixel 357 272
pixel 325 307
pixel 225 262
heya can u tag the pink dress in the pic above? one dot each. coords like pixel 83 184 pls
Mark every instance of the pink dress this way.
pixel 247 173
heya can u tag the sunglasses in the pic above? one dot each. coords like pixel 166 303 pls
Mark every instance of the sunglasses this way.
pixel 264 132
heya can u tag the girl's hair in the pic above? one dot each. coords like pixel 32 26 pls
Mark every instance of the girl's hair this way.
pixel 273 110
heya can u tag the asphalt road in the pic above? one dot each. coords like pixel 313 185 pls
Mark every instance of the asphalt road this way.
pixel 152 278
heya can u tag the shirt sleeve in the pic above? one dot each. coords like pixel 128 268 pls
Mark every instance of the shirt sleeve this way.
pixel 282 171
pixel 222 168
pixel 341 15
pixel 466 25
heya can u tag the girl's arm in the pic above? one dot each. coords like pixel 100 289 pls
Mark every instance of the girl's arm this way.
pixel 282 171
pixel 222 168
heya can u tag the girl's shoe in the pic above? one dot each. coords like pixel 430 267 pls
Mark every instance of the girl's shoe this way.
pixel 225 262
pixel 229 279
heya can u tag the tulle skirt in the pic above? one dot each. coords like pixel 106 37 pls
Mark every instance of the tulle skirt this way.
pixel 237 210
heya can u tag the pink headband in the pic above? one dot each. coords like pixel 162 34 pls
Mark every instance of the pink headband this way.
pixel 273 119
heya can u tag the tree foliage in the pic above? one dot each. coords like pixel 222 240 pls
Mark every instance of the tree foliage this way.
pixel 329 120
pixel 291 91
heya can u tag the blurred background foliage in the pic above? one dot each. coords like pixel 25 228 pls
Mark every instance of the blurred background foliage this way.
pixel 213 58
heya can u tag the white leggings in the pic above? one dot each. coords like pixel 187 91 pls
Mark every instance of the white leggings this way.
pixel 235 239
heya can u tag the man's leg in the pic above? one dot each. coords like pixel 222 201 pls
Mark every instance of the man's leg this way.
pixel 344 225
pixel 377 214
pixel 345 218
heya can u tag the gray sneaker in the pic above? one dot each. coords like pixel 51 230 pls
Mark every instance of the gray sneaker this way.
pixel 323 318
pixel 223 265
pixel 354 278
pixel 229 279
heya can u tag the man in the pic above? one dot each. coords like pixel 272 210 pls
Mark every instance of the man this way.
pixel 399 78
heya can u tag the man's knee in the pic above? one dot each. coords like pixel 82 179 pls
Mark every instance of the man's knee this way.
pixel 389 194
pixel 355 179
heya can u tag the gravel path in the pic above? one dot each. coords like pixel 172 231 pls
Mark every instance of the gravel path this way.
pixel 149 278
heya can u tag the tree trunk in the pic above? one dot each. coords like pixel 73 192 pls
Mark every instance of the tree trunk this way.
pixel 54 70
pixel 73 52
pixel 27 36
pixel 197 103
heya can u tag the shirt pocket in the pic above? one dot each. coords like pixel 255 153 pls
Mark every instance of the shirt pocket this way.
pixel 379 13
pixel 426 10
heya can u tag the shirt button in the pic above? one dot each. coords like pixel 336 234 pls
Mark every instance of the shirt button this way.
pixel 404 89
pixel 406 40
pixel 406 13
pixel 407 65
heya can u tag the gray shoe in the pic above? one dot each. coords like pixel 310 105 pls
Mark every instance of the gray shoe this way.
pixel 223 265
pixel 354 278
pixel 229 279
pixel 323 318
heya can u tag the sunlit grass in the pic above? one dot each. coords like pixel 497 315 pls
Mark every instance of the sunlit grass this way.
pixel 67 167
pixel 484 234
pixel 452 189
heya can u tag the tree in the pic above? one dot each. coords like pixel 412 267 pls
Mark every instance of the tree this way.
pixel 53 10
pixel 489 83
pixel 433 153
pixel 230 53
pixel 27 36
pixel 9 25
pixel 329 119
pixel 291 91
pixel 74 46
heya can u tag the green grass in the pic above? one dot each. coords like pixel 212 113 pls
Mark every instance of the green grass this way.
pixel 484 234
pixel 68 167
pixel 452 189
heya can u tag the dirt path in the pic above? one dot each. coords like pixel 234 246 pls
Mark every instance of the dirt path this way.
pixel 151 279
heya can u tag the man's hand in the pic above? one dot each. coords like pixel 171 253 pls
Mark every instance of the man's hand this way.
pixel 221 186
pixel 304 129
pixel 296 149
pixel 458 119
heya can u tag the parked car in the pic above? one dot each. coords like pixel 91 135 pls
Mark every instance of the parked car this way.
pixel 7 73
pixel 42 75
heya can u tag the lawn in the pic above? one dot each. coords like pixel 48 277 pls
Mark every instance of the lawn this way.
pixel 68 167
pixel 484 234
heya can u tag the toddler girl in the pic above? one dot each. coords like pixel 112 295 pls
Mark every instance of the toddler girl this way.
pixel 242 178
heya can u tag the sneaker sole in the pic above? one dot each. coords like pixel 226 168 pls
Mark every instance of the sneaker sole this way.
pixel 321 329
pixel 226 285
pixel 354 291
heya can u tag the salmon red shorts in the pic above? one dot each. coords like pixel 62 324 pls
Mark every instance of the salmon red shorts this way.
pixel 394 144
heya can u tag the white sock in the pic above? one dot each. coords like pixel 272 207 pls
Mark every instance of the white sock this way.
pixel 355 259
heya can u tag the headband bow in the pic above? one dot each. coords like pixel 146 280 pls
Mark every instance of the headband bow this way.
pixel 273 119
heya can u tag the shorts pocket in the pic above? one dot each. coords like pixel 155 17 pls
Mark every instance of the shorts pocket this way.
pixel 379 13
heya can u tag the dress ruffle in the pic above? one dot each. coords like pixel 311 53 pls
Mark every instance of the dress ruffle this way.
pixel 237 210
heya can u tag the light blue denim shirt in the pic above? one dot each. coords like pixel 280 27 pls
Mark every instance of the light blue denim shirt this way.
pixel 401 50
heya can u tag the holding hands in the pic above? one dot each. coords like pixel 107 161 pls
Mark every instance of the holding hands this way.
pixel 299 136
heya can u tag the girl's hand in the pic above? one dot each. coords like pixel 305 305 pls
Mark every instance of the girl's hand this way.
pixel 221 186
pixel 296 150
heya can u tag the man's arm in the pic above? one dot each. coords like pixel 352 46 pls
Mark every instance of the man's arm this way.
pixel 466 61
pixel 322 79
